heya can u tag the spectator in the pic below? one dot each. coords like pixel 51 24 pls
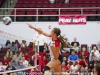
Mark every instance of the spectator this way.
pixel 2 67
pixel 14 48
pixel 97 69
pixel 31 48
pixel 74 68
pixel 14 62
pixel 10 67
pixel 65 60
pixel 83 62
pixel 17 44
pixel 96 52
pixel 66 1
pixel 9 53
pixel 92 56
pixel 31 62
pixel 32 72
pixel 7 45
pixel 83 71
pixel 25 62
pixel 73 57
pixel 27 57
pixel 67 49
pixel 64 65
pixel 17 56
pixel 52 1
pixel 21 66
pixel 23 44
pixel 75 48
pixel 84 52
pixel 75 41
pixel 5 61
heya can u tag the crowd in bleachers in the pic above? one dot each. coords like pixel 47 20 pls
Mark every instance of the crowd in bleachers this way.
pixel 76 58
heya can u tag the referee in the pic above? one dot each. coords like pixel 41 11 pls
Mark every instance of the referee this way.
pixel 39 40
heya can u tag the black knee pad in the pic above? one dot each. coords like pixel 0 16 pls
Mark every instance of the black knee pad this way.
pixel 46 68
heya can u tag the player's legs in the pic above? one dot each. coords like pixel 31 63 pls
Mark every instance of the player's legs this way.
pixel 51 65
pixel 57 70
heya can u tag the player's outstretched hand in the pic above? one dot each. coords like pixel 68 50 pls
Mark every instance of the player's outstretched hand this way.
pixel 30 25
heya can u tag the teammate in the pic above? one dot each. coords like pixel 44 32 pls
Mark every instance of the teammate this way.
pixel 57 44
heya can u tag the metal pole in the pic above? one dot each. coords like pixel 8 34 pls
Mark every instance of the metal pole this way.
pixel 14 15
pixel 37 15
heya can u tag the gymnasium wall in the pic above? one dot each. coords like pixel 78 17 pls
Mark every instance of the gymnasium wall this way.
pixel 86 34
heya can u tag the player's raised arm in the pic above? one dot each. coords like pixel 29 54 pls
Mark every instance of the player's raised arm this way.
pixel 38 30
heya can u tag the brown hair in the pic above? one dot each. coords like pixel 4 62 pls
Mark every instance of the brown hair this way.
pixel 98 68
pixel 62 39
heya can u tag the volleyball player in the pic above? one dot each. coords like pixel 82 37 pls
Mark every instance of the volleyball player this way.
pixel 55 46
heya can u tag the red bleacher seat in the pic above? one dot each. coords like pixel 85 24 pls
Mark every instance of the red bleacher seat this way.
pixel 84 45
pixel 87 1
pixel 80 1
pixel 53 13
pixel 72 5
pixel 62 13
pixel 93 45
pixel 79 5
pixel 45 5
pixel 39 5
pixel 86 5
pixel 39 1
pixel 18 5
pixel 20 1
pixel 92 12
pixel 31 5
pixel 76 13
pixel 98 12
pixel 20 13
pixel 65 5
pixel 27 1
pixel 98 5
pixel 29 13
pixel 93 5
pixel 52 5
pixel 35 13
pixel 67 13
pixel 73 1
pixel 93 1
pixel 98 1
pixel 85 12
pixel 33 1
pixel 12 13
pixel 58 5
pixel 46 1
pixel 46 13
pixel 25 5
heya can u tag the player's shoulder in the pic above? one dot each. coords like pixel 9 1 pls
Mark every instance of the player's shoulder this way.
pixel 57 42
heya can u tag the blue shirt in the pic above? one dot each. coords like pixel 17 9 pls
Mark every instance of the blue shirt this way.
pixel 73 57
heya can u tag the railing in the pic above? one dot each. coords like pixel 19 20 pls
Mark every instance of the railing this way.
pixel 59 10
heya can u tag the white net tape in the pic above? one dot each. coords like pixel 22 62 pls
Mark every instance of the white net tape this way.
pixel 19 69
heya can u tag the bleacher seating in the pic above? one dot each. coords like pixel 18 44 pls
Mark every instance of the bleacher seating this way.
pixel 47 4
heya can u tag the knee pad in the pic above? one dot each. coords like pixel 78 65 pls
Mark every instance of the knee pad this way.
pixel 46 68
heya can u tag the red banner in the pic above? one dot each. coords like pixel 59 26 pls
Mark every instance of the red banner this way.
pixel 78 19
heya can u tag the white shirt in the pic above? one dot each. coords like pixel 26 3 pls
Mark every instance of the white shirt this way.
pixel 73 68
pixel 96 53
pixel 55 44
pixel 39 39
pixel 25 63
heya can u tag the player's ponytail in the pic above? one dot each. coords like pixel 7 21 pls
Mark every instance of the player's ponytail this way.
pixel 63 43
